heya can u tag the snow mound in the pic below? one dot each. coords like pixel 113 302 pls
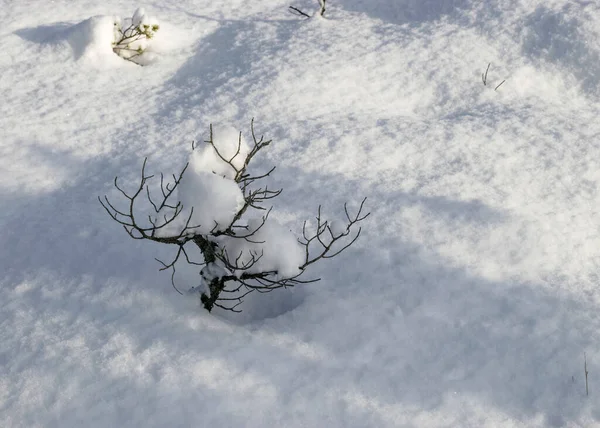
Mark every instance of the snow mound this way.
pixel 91 40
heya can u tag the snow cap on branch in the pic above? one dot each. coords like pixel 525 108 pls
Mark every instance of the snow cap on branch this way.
pixel 228 145
pixel 215 200
pixel 274 247
pixel 208 186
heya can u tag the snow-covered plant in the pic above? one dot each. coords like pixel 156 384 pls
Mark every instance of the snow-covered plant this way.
pixel 216 208
pixel 132 35
pixel 320 12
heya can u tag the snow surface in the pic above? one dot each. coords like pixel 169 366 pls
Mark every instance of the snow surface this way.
pixel 469 300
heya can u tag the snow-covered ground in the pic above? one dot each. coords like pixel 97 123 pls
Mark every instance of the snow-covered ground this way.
pixel 471 296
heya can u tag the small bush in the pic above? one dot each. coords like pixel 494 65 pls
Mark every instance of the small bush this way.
pixel 214 212
pixel 132 35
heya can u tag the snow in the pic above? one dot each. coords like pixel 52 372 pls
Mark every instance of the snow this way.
pixel 274 248
pixel 209 201
pixel 469 299
pixel 224 156
pixel 209 195
pixel 92 39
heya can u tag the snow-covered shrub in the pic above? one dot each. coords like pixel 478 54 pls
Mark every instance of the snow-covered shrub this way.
pixel 132 35
pixel 215 207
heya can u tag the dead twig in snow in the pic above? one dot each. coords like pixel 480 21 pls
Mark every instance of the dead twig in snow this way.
pixel 484 76
pixel 587 390
pixel 299 12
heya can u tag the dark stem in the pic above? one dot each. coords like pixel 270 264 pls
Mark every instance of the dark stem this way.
pixel 587 391
pixel 298 12
pixel 484 76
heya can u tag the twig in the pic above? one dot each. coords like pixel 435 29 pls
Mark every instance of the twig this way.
pixel 496 88
pixel 297 11
pixel 587 391
pixel 322 10
pixel 484 76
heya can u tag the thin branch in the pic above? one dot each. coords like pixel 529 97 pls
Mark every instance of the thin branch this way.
pixel 298 12
pixel 327 244
pixel 322 9
pixel 484 76
pixel 232 309
pixel 587 390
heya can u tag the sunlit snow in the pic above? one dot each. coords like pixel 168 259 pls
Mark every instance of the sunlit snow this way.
pixel 470 298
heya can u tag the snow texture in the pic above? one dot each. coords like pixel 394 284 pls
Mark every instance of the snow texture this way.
pixel 471 296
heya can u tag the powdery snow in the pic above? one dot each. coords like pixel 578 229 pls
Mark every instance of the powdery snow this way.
pixel 470 298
